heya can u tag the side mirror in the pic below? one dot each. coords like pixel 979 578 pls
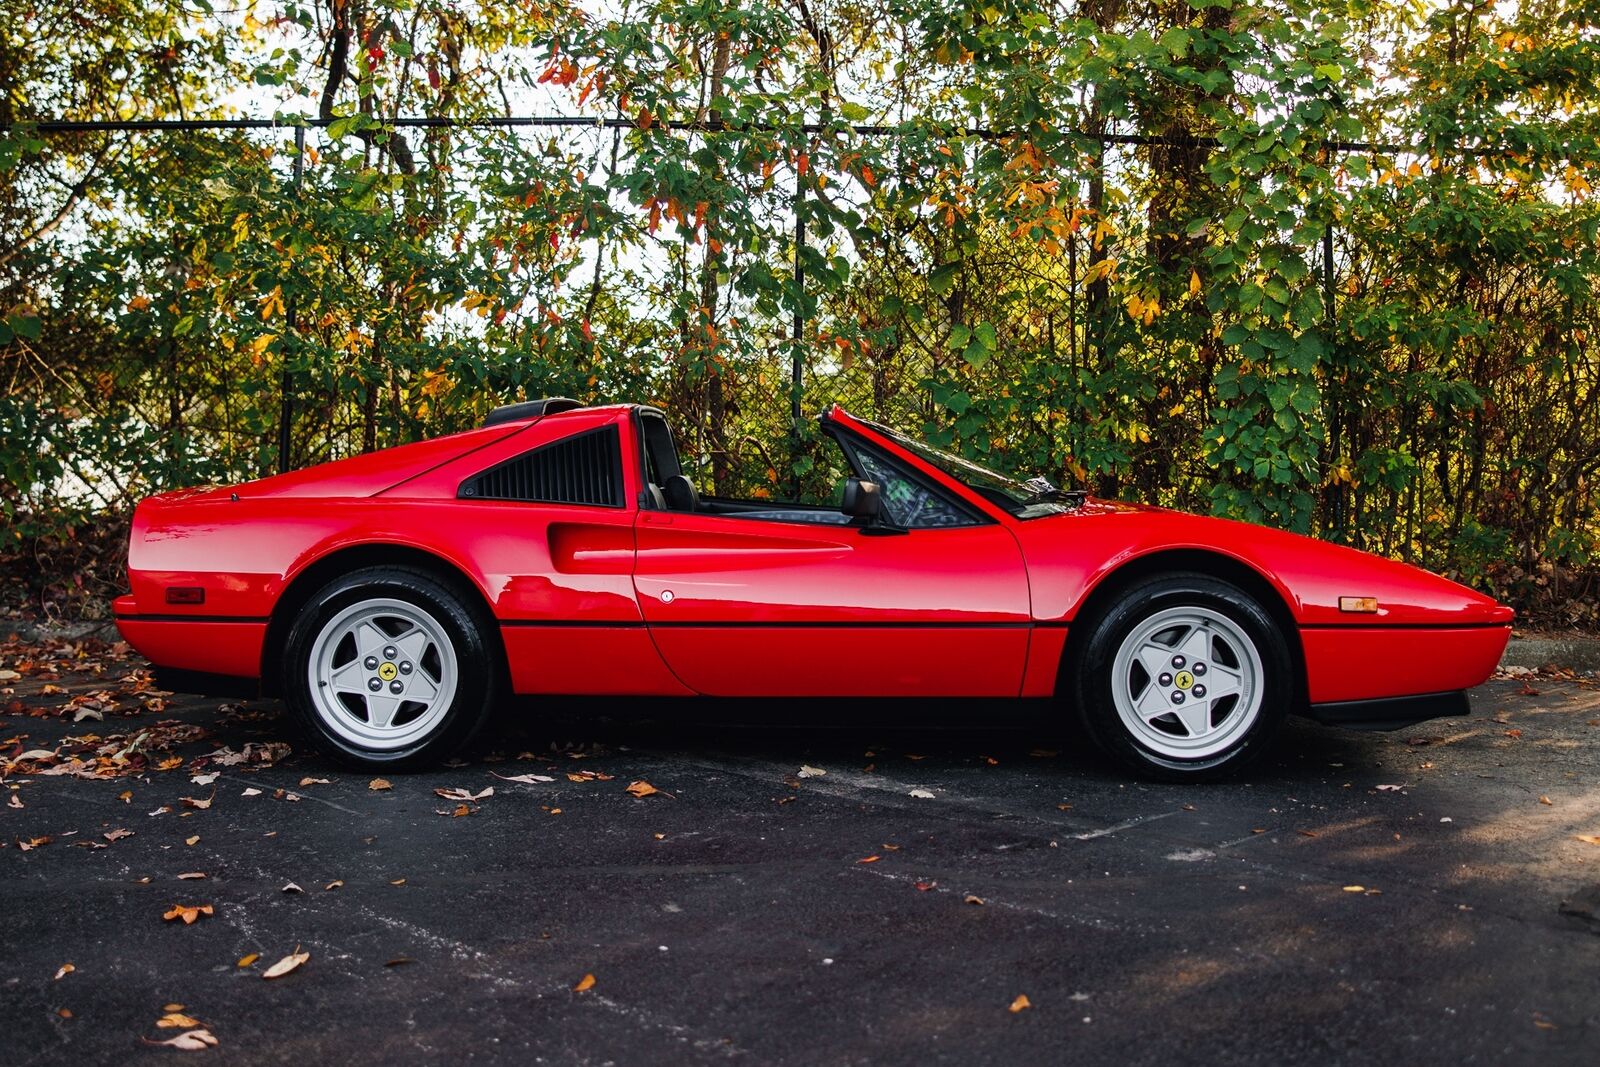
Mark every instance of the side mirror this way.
pixel 863 501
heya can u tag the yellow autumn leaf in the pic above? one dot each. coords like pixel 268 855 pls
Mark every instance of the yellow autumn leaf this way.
pixel 1022 1003
pixel 585 983
pixel 1194 283
pixel 272 303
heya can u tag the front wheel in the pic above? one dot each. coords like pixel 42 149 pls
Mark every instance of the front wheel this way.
pixel 388 668
pixel 1183 677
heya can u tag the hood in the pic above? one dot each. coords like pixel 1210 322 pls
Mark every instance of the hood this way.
pixel 1311 575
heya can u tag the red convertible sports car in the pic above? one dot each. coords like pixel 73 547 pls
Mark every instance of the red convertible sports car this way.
pixel 393 598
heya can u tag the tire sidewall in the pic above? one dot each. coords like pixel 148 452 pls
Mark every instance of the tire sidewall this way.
pixel 476 687
pixel 1092 679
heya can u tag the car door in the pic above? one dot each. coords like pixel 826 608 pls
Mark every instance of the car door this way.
pixel 752 606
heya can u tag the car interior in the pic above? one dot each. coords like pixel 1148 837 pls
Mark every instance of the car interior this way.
pixel 876 493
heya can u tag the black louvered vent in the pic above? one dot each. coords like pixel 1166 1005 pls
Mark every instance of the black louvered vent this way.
pixel 585 469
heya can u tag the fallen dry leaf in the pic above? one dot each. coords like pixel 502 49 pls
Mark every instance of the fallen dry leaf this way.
pixel 66 969
pixel 1022 1003
pixel 1355 889
pixel 176 1021
pixel 808 771
pixel 287 964
pixel 190 876
pixel 398 881
pixel 14 802
pixel 378 785
pixel 642 788
pixel 584 983
pixel 1546 800
pixel 525 779
pixel 190 914
pixel 245 961
pixel 290 887
pixel 400 961
pixel 192 802
pixel 252 791
pixel 195 840
pixel 971 898
pixel 465 794
pixel 1589 839
pixel 314 781
pixel 205 779
pixel 335 884
pixel 33 842
pixel 117 834
pixel 923 887
pixel 192 1041
pixel 922 794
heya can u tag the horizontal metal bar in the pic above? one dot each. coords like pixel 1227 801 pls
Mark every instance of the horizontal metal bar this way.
pixel 56 126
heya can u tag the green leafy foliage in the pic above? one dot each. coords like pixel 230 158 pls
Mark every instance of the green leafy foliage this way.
pixel 994 263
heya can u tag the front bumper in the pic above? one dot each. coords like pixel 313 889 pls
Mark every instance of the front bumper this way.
pixel 1391 713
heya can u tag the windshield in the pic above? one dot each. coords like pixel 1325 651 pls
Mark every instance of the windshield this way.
pixel 1027 500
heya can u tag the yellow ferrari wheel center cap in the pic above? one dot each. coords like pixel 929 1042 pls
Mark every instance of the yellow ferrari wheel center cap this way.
pixel 1184 679
pixel 388 671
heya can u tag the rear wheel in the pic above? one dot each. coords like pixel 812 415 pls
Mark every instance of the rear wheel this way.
pixel 388 668
pixel 1183 677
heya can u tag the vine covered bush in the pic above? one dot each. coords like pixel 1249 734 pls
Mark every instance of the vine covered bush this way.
pixel 1084 239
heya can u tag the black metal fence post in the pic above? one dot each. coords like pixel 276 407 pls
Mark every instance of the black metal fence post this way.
pixel 286 401
pixel 1335 494
pixel 797 363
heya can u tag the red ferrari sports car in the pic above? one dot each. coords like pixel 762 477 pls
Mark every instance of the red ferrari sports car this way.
pixel 393 598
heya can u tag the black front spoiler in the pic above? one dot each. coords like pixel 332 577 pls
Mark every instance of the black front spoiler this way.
pixel 1391 713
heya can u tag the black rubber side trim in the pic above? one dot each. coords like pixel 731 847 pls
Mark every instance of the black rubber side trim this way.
pixel 203 683
pixel 193 618
pixel 1391 713
pixel 1405 626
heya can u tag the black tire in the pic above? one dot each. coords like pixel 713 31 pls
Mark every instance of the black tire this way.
pixel 464 623
pixel 1090 675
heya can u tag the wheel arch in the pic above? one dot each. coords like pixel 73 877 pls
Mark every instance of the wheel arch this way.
pixel 1213 564
pixel 342 560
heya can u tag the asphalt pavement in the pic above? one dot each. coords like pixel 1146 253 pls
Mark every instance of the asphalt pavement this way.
pixel 833 883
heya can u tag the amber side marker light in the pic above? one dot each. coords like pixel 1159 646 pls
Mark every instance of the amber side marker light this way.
pixel 1359 605
pixel 186 594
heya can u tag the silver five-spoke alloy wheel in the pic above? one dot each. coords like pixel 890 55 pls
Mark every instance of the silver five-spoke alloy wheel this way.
pixel 383 674
pixel 1187 682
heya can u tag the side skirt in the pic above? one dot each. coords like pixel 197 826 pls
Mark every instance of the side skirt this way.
pixel 1391 713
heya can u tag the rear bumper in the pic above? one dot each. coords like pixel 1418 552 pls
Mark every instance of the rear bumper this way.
pixel 196 644
pixel 1390 713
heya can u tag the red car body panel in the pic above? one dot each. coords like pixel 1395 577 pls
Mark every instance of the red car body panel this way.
pixel 637 601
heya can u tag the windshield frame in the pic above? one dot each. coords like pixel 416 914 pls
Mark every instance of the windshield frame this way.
pixel 1019 500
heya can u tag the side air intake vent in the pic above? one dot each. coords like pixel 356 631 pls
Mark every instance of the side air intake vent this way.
pixel 583 469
